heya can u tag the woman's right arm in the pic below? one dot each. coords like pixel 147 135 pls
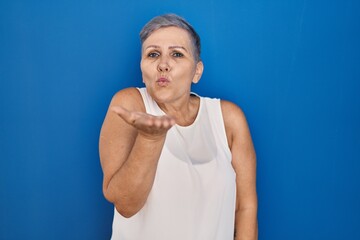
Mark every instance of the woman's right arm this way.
pixel 130 145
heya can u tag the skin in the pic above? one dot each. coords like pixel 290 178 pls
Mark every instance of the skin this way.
pixel 131 140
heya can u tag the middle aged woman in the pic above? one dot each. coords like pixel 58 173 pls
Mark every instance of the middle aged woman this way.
pixel 176 165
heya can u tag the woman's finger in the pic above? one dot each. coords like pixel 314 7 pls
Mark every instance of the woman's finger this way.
pixel 144 121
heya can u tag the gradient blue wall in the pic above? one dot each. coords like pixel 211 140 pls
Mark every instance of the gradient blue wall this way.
pixel 293 66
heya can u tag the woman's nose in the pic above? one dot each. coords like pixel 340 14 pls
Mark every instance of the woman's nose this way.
pixel 163 66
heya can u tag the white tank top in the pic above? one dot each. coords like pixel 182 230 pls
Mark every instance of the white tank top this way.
pixel 194 192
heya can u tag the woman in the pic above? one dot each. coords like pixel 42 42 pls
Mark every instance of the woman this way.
pixel 177 165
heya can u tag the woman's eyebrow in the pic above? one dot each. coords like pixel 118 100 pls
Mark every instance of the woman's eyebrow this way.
pixel 171 47
pixel 152 46
pixel 181 47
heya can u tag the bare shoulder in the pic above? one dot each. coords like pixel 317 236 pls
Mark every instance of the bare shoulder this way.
pixel 231 111
pixel 234 120
pixel 129 98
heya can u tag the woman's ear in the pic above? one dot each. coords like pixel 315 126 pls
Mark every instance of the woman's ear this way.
pixel 198 72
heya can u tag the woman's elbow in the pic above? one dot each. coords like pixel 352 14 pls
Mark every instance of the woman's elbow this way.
pixel 125 212
pixel 126 207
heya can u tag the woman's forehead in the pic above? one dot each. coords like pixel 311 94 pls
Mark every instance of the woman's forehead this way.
pixel 168 35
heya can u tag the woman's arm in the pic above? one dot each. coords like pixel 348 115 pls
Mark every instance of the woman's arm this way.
pixel 244 164
pixel 130 145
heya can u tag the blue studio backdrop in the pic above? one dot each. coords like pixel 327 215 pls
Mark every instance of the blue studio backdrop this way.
pixel 292 65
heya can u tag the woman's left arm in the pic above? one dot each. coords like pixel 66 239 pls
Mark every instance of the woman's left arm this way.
pixel 244 164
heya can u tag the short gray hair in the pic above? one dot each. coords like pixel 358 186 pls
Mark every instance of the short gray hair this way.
pixel 172 20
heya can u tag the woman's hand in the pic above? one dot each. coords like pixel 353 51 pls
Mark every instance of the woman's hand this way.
pixel 149 126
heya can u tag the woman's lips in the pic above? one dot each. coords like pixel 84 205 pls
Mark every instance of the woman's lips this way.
pixel 162 82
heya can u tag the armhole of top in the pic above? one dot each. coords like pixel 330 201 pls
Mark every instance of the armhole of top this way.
pixel 144 97
pixel 216 112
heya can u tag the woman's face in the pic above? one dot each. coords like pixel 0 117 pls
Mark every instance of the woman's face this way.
pixel 168 65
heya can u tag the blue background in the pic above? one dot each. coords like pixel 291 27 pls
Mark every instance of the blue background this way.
pixel 293 66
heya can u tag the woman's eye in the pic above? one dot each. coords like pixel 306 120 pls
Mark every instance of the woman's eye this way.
pixel 177 54
pixel 153 54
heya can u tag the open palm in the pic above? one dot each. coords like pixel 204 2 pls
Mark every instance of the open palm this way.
pixel 148 125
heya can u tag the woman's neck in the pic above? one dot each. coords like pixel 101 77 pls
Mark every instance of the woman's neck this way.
pixel 184 112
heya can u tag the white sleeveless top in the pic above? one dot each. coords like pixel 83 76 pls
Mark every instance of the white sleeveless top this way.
pixel 194 192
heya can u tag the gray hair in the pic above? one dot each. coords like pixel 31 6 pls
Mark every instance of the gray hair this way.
pixel 172 20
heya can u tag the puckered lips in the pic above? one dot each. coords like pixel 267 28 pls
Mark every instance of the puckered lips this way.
pixel 162 81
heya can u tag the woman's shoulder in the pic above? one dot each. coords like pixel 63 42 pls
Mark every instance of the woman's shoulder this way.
pixel 129 98
pixel 234 118
pixel 231 111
